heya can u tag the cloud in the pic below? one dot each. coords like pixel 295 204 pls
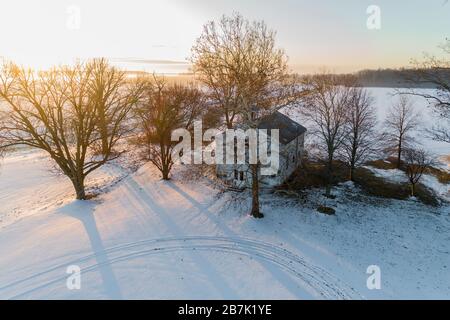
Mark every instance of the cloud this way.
pixel 150 61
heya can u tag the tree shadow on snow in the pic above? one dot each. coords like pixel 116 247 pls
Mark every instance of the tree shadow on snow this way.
pixel 83 211
pixel 284 279
pixel 148 200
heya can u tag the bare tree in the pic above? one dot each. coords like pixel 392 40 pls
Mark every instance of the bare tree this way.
pixel 359 142
pixel 56 111
pixel 114 95
pixel 400 121
pixel 216 59
pixel 434 71
pixel 211 117
pixel 164 109
pixel 416 161
pixel 246 74
pixel 327 108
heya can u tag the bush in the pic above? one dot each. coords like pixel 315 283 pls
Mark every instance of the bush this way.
pixel 326 210
pixel 379 187
pixel 387 164
pixel 313 175
pixel 426 196
pixel 442 176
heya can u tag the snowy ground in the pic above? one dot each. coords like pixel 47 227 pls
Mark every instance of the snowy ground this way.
pixel 145 238
pixel 30 184
pixel 152 239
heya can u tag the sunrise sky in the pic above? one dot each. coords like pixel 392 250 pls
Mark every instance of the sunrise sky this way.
pixel 156 35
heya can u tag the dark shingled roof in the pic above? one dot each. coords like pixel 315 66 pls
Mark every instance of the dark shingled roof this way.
pixel 289 129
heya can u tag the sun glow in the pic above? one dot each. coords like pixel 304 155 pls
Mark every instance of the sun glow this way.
pixel 157 35
pixel 45 33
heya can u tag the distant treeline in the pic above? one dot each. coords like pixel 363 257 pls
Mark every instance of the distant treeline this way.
pixel 395 78
pixel 390 78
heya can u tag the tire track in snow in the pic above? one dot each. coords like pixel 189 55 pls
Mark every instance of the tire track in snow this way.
pixel 312 277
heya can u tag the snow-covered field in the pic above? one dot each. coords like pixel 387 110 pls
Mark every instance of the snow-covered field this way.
pixel 30 184
pixel 383 99
pixel 145 238
pixel 152 239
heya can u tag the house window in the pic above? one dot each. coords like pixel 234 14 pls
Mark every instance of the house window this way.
pixel 241 175
pixel 235 174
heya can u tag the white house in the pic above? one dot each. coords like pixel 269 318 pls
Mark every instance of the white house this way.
pixel 291 148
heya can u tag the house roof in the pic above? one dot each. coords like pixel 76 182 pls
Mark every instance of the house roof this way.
pixel 289 129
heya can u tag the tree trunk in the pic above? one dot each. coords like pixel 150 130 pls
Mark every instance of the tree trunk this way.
pixel 352 173
pixel 165 173
pixel 105 145
pixel 104 136
pixel 102 124
pixel 228 121
pixel 78 184
pixel 165 166
pixel 255 192
pixel 399 155
pixel 329 177
pixel 413 190
pixel 165 160
pixel 353 160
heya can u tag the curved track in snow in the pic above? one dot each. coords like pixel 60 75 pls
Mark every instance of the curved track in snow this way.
pixel 316 280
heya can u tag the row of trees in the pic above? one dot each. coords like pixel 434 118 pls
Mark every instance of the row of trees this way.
pixel 344 121
pixel 80 114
